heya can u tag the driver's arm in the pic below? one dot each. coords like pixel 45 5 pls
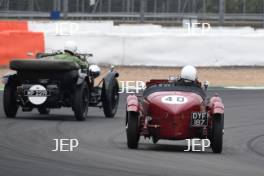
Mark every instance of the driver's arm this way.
pixel 82 63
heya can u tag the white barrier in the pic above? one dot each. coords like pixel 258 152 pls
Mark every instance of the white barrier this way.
pixel 154 45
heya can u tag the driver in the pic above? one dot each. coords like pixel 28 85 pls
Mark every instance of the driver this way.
pixel 70 49
pixel 189 76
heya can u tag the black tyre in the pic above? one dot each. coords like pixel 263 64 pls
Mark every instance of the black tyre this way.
pixel 81 101
pixel 110 98
pixel 43 111
pixel 217 134
pixel 132 130
pixel 9 99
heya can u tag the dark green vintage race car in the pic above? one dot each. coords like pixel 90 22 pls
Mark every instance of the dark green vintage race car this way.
pixel 45 83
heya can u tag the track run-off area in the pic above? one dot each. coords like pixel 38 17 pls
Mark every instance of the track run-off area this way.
pixel 28 140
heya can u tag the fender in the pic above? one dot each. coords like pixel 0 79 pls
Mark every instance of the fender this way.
pixel 132 104
pixel 9 76
pixel 217 106
pixel 109 77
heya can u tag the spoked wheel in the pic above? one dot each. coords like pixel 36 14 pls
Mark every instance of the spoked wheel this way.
pixel 43 111
pixel 9 100
pixel 81 101
pixel 132 130
pixel 110 98
pixel 217 133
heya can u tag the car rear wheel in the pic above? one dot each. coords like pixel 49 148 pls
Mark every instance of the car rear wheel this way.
pixel 10 104
pixel 110 98
pixel 132 130
pixel 81 101
pixel 217 133
pixel 43 111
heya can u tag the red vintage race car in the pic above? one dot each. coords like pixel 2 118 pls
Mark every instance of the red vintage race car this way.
pixel 175 110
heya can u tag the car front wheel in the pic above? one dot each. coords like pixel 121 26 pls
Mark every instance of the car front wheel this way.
pixel 132 130
pixel 110 98
pixel 81 101
pixel 217 133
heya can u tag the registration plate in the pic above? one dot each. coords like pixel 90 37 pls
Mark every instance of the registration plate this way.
pixel 37 93
pixel 199 119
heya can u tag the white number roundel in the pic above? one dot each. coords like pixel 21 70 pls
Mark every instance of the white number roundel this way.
pixel 174 99
pixel 37 94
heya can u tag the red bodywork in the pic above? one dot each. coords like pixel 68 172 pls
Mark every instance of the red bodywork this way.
pixel 162 120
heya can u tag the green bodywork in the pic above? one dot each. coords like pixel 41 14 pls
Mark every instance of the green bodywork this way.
pixel 69 57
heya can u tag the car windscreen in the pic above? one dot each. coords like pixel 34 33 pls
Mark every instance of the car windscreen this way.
pixel 174 87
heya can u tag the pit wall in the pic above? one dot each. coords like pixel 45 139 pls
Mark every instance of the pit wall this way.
pixel 153 45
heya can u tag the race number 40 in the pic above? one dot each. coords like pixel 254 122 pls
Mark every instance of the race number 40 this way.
pixel 174 99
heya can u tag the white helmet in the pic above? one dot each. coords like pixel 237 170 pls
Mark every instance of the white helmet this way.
pixel 70 46
pixel 189 72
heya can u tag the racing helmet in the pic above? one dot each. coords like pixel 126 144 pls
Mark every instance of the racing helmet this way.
pixel 70 46
pixel 189 72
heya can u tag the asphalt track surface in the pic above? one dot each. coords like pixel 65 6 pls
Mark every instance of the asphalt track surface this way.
pixel 26 143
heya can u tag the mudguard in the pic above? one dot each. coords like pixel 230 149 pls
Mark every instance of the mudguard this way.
pixel 109 77
pixel 132 104
pixel 9 76
pixel 217 106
